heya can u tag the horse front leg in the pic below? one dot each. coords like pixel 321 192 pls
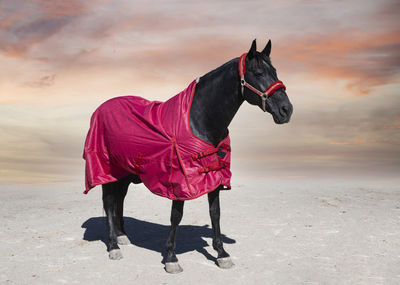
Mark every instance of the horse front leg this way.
pixel 171 261
pixel 223 259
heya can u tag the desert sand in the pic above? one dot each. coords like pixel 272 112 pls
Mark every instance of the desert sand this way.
pixel 277 232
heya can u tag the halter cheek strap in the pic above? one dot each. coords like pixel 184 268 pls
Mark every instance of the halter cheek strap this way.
pixel 264 95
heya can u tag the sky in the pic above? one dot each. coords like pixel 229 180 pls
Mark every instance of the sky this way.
pixel 340 62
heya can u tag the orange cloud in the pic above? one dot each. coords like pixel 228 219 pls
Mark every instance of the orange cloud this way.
pixel 358 140
pixel 394 127
pixel 348 43
pixel 361 140
pixel 60 8
pixel 340 143
pixel 27 25
pixel 364 60
pixel 9 20
pixel 44 81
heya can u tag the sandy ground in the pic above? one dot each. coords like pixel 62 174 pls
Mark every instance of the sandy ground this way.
pixel 289 232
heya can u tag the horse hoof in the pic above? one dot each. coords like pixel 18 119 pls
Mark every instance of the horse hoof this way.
pixel 225 262
pixel 123 240
pixel 115 254
pixel 173 267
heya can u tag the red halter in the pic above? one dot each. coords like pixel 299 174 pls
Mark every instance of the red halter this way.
pixel 264 95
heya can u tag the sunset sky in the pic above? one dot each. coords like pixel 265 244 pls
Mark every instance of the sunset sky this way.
pixel 340 61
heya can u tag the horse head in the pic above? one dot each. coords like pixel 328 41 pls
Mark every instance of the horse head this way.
pixel 257 74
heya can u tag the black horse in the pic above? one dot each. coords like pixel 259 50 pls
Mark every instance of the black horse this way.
pixel 217 98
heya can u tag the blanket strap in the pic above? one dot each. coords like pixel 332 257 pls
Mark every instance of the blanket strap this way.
pixel 202 154
pixel 210 151
pixel 213 167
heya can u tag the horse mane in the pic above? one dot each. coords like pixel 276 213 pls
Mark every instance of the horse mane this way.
pixel 221 69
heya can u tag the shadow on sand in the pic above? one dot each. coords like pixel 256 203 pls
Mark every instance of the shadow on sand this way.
pixel 153 236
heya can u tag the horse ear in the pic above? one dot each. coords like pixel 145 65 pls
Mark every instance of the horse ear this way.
pixel 253 50
pixel 267 49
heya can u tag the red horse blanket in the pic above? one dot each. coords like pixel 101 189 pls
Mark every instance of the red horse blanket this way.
pixel 154 140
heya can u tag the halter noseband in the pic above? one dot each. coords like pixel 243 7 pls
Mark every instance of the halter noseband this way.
pixel 264 95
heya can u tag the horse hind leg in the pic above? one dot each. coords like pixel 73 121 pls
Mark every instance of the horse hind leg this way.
pixel 122 238
pixel 113 197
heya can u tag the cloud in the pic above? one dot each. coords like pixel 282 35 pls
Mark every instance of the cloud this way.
pixel 44 81
pixel 56 9
pixel 162 42
pixel 40 144
pixel 388 12
pixel 395 125
pixel 26 24
pixel 363 60
pixel 361 140
pixel 340 143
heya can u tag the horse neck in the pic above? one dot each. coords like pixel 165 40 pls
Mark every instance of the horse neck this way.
pixel 216 100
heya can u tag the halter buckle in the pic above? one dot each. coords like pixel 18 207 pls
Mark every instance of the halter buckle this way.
pixel 264 100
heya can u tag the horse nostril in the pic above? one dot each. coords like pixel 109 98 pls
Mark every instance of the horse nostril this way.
pixel 284 110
